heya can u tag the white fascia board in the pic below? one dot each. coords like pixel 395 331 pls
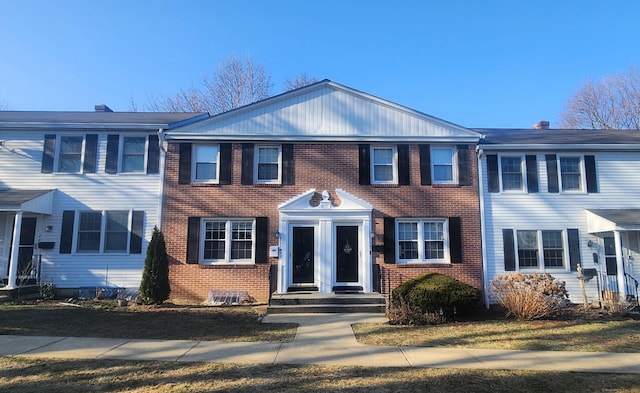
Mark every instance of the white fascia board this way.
pixel 561 147
pixel 321 139
pixel 82 126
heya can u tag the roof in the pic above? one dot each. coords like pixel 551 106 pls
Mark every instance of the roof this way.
pixel 324 112
pixel 106 120
pixel 36 201
pixel 559 138
pixel 606 220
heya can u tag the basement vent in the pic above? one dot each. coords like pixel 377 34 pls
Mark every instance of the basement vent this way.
pixel 228 298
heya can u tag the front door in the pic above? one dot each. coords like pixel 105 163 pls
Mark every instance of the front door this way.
pixel 27 244
pixel 302 255
pixel 347 254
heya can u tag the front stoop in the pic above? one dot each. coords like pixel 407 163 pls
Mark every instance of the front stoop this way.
pixel 306 302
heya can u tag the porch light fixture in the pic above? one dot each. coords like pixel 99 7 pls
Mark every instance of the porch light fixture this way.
pixel 276 234
pixel 590 243
pixel 48 228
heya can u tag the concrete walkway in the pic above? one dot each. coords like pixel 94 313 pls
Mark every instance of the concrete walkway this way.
pixel 320 339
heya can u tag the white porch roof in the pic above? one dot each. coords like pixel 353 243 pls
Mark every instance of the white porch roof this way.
pixel 608 220
pixel 32 201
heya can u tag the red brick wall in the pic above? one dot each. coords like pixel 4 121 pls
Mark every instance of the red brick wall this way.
pixel 323 167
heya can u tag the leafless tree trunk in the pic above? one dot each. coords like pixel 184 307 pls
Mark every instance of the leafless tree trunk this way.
pixel 612 103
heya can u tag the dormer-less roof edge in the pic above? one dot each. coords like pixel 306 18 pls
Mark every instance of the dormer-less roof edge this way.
pixel 195 137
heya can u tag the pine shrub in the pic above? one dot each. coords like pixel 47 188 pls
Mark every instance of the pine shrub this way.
pixel 154 287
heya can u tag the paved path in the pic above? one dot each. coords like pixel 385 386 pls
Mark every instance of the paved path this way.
pixel 320 339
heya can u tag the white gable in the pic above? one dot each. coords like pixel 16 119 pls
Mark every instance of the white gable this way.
pixel 324 111
pixel 348 203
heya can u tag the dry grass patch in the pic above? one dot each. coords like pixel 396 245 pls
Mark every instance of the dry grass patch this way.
pixel 167 321
pixel 548 335
pixel 19 375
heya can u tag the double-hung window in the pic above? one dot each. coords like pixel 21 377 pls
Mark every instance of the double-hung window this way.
pixel 133 153
pixel 205 165
pixel 384 165
pixel 228 241
pixel 422 240
pixel 443 165
pixel 571 173
pixel 540 248
pixel 268 164
pixel 106 232
pixel 70 154
pixel 511 173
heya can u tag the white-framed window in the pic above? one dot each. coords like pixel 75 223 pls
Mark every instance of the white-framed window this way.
pixel 443 168
pixel 133 157
pixel 206 164
pixel 268 164
pixel 571 173
pixel 512 173
pixel 384 165
pixel 103 231
pixel 422 240
pixel 227 241
pixel 540 249
pixel 70 153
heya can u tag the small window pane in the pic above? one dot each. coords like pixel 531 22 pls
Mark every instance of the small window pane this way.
pixel 434 240
pixel 408 240
pixel 206 163
pixel 553 248
pixel 89 229
pixel 214 235
pixel 570 173
pixel 133 154
pixel 527 249
pixel 70 157
pixel 117 231
pixel 442 160
pixel 511 173
pixel 241 244
pixel 268 163
pixel 383 164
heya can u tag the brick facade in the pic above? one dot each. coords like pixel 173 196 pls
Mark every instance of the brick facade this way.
pixel 321 167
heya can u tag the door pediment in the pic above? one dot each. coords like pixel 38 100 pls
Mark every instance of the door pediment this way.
pixel 349 203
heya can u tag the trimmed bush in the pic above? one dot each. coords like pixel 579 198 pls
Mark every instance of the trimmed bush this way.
pixel 529 296
pixel 154 287
pixel 430 298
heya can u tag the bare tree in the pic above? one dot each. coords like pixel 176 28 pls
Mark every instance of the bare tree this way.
pixel 298 81
pixel 612 103
pixel 236 82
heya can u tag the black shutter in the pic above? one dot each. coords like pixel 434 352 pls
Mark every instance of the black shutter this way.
pixel 532 173
pixel 262 239
pixel 90 153
pixel 464 165
pixel 509 250
pixel 288 172
pixel 574 249
pixel 389 240
pixel 193 239
pixel 455 239
pixel 592 178
pixel 137 224
pixel 404 174
pixel 225 163
pixel 48 153
pixel 247 164
pixel 425 165
pixel 184 164
pixel 492 173
pixel 153 155
pixel 364 164
pixel 111 165
pixel 552 173
pixel 66 232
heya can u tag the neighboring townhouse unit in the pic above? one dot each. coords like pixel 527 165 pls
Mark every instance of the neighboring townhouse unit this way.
pixel 79 195
pixel 555 199
pixel 320 189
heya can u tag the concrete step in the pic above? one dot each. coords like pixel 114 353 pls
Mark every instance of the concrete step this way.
pixel 294 303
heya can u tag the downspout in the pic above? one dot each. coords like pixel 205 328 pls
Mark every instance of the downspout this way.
pixel 483 235
pixel 163 152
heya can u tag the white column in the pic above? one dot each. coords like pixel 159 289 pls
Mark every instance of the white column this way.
pixel 366 257
pixel 622 288
pixel 15 250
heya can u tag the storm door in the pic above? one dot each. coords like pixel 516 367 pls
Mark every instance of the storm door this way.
pixel 303 255
pixel 347 253
pixel 25 248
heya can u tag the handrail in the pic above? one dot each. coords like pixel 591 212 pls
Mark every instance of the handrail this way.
pixel 628 278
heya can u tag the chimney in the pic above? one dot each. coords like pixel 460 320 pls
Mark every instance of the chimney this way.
pixel 541 125
pixel 102 108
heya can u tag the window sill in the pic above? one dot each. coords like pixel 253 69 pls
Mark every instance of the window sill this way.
pixel 446 185
pixel 385 185
pixel 228 266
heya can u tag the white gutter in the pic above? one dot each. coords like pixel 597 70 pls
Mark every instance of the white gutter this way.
pixel 163 152
pixel 562 147
pixel 322 138
pixel 483 240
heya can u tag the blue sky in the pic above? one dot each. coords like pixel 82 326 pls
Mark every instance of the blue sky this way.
pixel 474 63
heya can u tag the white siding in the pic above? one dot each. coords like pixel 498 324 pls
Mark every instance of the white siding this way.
pixel 618 176
pixel 20 167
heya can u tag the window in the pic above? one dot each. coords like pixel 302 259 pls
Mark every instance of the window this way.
pixel 70 154
pixel 107 231
pixel 268 163
pixel 540 248
pixel 570 173
pixel 384 165
pixel 422 240
pixel 511 170
pixel 228 241
pixel 205 165
pixel 133 153
pixel 443 168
